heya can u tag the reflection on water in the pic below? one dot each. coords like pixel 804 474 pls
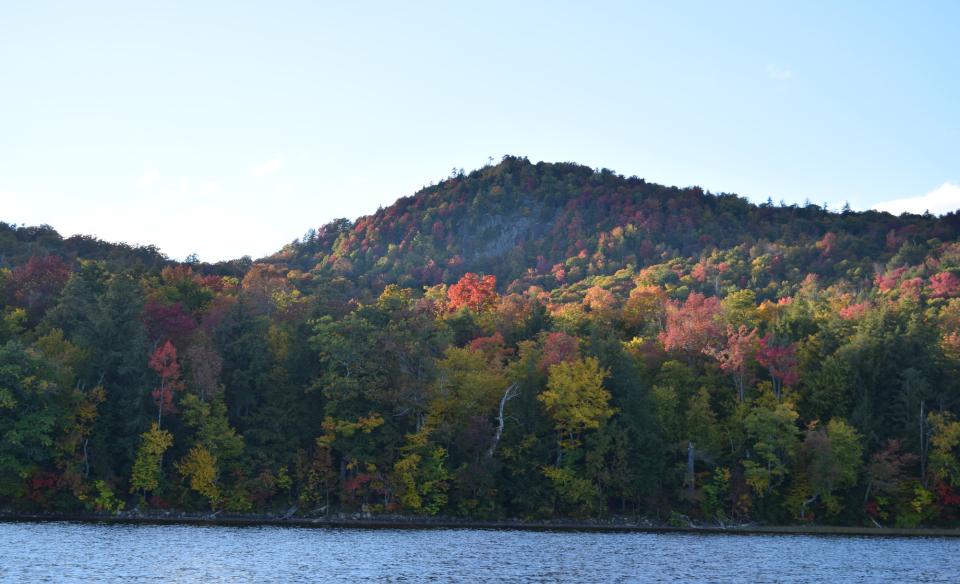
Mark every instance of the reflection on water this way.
pixel 69 552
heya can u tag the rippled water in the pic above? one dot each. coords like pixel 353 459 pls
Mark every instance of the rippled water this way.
pixel 72 552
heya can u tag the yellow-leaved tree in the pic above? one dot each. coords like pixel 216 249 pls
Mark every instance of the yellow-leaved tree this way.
pixel 200 467
pixel 575 400
pixel 148 466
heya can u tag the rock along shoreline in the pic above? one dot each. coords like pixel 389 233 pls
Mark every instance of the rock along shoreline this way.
pixel 402 522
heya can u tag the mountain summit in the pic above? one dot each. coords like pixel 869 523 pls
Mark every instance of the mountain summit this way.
pixel 551 224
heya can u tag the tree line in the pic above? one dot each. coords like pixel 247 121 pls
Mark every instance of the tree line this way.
pixel 732 379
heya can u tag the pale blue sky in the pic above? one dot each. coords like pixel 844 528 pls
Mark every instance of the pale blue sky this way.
pixel 230 128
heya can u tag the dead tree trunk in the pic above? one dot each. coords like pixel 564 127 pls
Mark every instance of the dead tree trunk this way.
pixel 923 447
pixel 508 395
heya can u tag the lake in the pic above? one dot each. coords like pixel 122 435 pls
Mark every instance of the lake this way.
pixel 76 552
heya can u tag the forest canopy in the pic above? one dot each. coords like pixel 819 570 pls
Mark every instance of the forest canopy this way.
pixel 526 340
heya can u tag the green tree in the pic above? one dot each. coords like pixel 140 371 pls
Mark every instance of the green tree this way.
pixel 29 418
pixel 421 483
pixel 212 428
pixel 773 435
pixel 831 459
pixel 945 448
pixel 114 337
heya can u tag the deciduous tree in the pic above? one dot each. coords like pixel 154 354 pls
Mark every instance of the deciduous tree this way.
pixel 476 292
pixel 164 363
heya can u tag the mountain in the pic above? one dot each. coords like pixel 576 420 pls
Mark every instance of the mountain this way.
pixel 527 223
pixel 527 340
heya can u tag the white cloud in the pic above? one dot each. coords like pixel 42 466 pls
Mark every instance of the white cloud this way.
pixel 269 167
pixel 939 201
pixel 779 73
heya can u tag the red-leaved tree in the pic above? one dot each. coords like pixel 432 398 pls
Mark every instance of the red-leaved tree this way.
pixel 780 361
pixel 944 285
pixel 164 362
pixel 475 292
pixel 37 283
pixel 735 355
pixel 557 348
pixel 168 321
pixel 693 325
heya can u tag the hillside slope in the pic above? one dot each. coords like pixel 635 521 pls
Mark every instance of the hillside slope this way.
pixel 550 224
pixel 534 341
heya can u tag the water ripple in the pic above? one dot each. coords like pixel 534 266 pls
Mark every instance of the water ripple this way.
pixel 71 552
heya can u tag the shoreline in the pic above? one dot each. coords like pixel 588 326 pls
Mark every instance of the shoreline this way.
pixel 426 523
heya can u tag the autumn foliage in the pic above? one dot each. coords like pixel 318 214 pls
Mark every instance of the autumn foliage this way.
pixel 691 325
pixel 525 340
pixel 164 363
pixel 780 359
pixel 476 292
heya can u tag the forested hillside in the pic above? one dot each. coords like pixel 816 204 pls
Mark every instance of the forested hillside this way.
pixel 528 341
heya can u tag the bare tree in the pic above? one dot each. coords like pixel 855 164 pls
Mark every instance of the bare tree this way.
pixel 508 395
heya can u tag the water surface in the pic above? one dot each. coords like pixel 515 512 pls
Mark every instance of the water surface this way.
pixel 75 552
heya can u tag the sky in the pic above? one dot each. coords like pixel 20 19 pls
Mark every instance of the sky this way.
pixel 230 128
